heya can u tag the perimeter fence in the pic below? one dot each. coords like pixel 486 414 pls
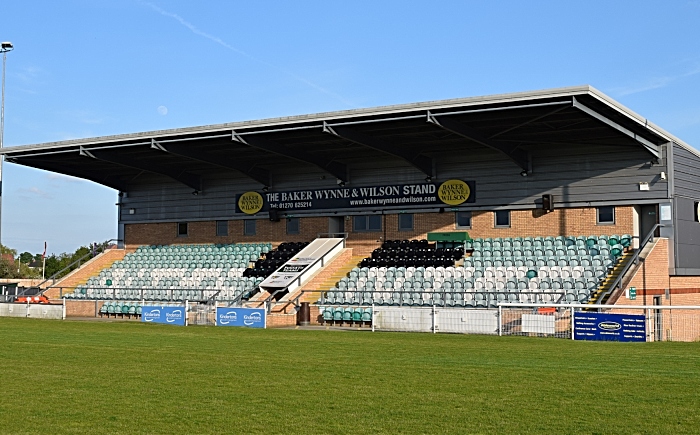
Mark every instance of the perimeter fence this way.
pixel 568 321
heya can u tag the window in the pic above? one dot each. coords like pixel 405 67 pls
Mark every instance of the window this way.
pixel 293 225
pixel 463 219
pixel 502 218
pixel 249 227
pixel 182 229
pixel 367 223
pixel 222 228
pixel 406 222
pixel 696 211
pixel 606 215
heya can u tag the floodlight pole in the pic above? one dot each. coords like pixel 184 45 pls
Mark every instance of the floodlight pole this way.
pixel 4 48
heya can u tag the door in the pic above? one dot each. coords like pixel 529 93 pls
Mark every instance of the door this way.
pixel 658 321
pixel 648 217
pixel 336 225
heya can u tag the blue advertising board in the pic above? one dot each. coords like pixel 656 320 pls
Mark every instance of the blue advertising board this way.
pixel 168 315
pixel 248 317
pixel 609 327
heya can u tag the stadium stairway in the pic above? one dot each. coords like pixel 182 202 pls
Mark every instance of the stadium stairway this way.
pixel 86 271
pixel 339 266
pixel 610 279
pixel 331 275
pixel 614 296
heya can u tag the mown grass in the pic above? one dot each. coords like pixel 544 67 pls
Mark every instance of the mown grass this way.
pixel 90 377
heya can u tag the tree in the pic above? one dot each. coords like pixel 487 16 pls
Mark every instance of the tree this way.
pixel 7 268
pixel 26 257
pixel 5 250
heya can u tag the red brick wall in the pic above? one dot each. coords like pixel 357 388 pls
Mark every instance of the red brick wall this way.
pixel 652 279
pixel 83 308
pixel 686 282
pixel 281 320
pixel 572 221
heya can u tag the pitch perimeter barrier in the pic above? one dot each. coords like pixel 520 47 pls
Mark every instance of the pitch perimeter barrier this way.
pixel 168 315
pixel 602 322
pixel 237 316
pixel 36 311
pixel 569 321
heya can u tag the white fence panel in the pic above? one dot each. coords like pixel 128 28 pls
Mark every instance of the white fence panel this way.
pixel 538 324
pixel 37 311
pixel 403 319
pixel 466 321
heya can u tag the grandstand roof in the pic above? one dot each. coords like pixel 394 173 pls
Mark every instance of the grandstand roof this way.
pixel 509 124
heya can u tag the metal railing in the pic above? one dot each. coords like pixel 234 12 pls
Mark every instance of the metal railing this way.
pixel 101 248
pixel 246 294
pixel 166 294
pixel 632 262
pixel 442 301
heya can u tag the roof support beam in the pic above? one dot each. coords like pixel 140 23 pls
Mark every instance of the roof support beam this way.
pixel 190 180
pixel 654 149
pixel 421 162
pixel 253 172
pixel 336 169
pixel 112 181
pixel 518 156
pixel 529 121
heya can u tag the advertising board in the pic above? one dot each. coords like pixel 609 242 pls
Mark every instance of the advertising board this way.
pixel 450 192
pixel 168 315
pixel 248 317
pixel 609 327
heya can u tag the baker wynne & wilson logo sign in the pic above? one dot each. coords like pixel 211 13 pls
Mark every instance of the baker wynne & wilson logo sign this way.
pixel 450 192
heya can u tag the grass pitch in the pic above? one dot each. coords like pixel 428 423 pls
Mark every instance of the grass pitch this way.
pixel 99 377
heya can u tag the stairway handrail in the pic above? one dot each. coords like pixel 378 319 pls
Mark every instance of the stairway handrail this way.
pixel 103 248
pixel 634 260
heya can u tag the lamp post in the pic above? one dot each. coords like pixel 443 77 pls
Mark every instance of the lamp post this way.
pixel 4 48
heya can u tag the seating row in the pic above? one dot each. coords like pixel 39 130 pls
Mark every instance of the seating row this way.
pixel 355 315
pixel 462 299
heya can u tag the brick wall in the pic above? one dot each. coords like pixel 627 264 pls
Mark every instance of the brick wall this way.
pixel 83 308
pixel 281 320
pixel 652 279
pixel 570 221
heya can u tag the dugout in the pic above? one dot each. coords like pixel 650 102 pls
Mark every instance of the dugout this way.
pixel 568 161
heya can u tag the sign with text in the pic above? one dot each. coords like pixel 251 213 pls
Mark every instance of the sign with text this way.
pixel 168 315
pixel 450 192
pixel 288 272
pixel 609 327
pixel 248 317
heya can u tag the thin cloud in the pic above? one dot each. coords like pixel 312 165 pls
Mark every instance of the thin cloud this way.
pixel 29 74
pixel 33 192
pixel 84 116
pixel 230 47
pixel 61 178
pixel 656 83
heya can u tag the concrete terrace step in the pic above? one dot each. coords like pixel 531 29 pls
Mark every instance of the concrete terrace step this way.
pixel 87 270
pixel 332 279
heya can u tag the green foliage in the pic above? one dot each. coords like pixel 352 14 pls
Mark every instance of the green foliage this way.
pixel 54 263
pixel 131 377
pixel 27 257
pixel 28 272
pixel 8 269
pixel 5 250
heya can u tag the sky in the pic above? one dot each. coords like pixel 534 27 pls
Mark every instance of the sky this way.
pixel 86 68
